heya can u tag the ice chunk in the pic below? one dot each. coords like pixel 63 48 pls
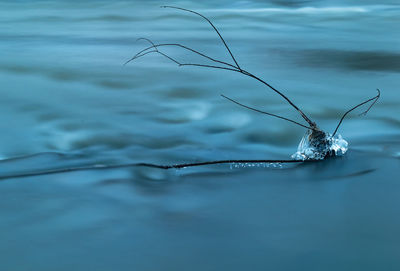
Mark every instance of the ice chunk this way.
pixel 317 145
pixel 338 145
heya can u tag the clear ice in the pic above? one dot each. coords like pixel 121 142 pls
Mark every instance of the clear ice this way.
pixel 317 145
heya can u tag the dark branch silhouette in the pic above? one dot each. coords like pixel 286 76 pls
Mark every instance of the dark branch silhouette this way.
pixel 188 64
pixel 357 106
pixel 372 104
pixel 175 166
pixel 216 30
pixel 317 136
pixel 236 68
pixel 263 112
pixel 227 66
pixel 178 45
pixel 145 52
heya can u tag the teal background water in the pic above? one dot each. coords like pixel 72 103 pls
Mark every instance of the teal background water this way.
pixel 67 101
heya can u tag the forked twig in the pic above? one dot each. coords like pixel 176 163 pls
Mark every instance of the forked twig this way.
pixel 374 99
pixel 372 104
pixel 144 52
pixel 154 48
pixel 216 30
pixel 231 67
pixel 318 138
pixel 177 45
pixel 182 64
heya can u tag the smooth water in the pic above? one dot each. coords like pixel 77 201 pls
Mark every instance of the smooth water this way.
pixel 67 101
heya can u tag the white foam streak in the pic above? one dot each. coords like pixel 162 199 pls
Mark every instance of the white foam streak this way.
pixel 303 10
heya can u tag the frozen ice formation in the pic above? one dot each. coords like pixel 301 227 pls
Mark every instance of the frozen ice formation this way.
pixel 317 145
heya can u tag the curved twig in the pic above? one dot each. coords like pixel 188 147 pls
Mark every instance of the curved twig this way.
pixel 223 68
pixel 375 98
pixel 263 112
pixel 187 64
pixel 371 105
pixel 178 45
pixel 216 30
pixel 144 52
pixel 148 40
pixel 235 68
pixel 308 120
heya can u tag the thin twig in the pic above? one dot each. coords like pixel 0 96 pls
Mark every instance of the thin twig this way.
pixel 371 105
pixel 148 40
pixel 186 165
pixel 207 66
pixel 263 112
pixel 216 30
pixel 143 53
pixel 224 68
pixel 187 64
pixel 236 69
pixel 309 121
pixel 174 166
pixel 375 98
pixel 178 45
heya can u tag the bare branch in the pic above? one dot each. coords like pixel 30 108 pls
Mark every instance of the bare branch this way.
pixel 186 64
pixel 374 99
pixel 267 113
pixel 372 104
pixel 178 45
pixel 216 30
pixel 173 166
pixel 233 68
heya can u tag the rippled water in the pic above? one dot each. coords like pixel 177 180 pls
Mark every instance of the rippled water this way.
pixel 67 101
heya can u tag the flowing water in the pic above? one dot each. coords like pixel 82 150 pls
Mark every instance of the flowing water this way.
pixel 67 101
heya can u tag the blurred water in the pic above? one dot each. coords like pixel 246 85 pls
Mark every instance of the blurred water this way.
pixel 67 101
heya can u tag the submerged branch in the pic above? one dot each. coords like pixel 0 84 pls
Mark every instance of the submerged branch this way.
pixel 174 166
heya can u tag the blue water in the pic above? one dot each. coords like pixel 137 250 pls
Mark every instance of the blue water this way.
pixel 67 101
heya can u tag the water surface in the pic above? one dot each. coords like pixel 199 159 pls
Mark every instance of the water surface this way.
pixel 67 101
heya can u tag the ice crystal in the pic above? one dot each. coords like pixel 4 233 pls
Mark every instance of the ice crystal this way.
pixel 317 145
